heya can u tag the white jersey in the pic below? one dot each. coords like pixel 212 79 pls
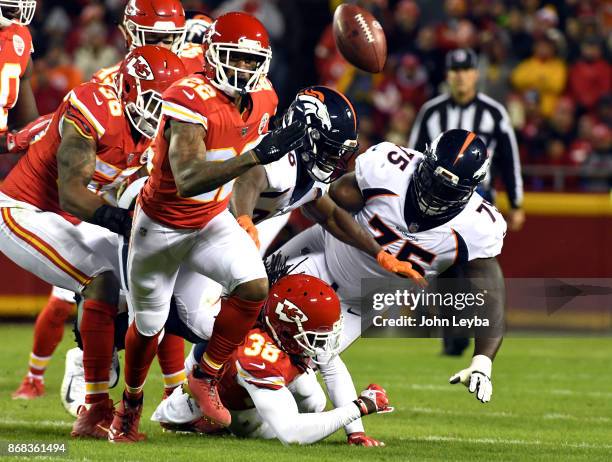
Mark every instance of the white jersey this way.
pixel 383 174
pixel 289 187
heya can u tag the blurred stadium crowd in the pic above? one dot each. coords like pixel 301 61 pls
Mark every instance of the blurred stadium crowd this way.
pixel 546 61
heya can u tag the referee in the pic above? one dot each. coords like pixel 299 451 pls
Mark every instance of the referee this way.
pixel 464 107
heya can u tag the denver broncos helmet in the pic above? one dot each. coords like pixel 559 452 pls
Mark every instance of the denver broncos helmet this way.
pixel 332 131
pixel 454 164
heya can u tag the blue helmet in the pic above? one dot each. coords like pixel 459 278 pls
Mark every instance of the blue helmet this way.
pixel 454 164
pixel 331 125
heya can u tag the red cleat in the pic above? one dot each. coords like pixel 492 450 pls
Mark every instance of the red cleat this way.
pixel 124 428
pixel 204 390
pixel 30 388
pixel 201 425
pixel 95 421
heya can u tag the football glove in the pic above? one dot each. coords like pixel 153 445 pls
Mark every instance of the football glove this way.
pixel 403 268
pixel 247 224
pixel 477 378
pixel 114 219
pixel 20 140
pixel 275 144
pixel 361 439
pixel 373 400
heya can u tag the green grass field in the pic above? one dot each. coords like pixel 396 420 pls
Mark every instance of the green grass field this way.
pixel 552 401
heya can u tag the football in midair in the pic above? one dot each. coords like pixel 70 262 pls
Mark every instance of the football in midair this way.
pixel 360 38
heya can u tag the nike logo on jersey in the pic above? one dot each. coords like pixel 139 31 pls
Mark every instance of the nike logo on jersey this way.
pixel 189 95
pixel 98 102
pixel 258 366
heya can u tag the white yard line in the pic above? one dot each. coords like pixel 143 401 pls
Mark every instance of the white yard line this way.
pixel 539 391
pixel 551 416
pixel 38 423
pixel 458 439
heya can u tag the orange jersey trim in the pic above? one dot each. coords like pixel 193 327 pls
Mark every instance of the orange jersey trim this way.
pixel 44 248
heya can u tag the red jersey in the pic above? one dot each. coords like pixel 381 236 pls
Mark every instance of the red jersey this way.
pixel 228 134
pixel 15 49
pixel 259 362
pixel 191 55
pixel 96 113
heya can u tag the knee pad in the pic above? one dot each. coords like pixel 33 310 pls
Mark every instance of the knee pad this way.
pixel 314 402
pixel 149 323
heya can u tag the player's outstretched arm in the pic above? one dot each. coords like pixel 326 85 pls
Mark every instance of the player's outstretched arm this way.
pixel 331 212
pixel 25 110
pixel 194 175
pixel 279 410
pixel 247 189
pixel 76 163
pixel 477 377
pixel 341 225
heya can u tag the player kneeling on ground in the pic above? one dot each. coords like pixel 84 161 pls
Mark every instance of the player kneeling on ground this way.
pixel 269 385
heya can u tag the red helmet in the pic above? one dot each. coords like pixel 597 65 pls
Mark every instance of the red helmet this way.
pixel 150 21
pixel 238 43
pixel 16 12
pixel 143 76
pixel 302 313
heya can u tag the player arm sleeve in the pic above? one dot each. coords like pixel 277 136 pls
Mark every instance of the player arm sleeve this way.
pixel 279 410
pixel 508 162
pixel 340 389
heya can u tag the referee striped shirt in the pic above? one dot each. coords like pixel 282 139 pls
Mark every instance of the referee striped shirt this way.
pixel 490 120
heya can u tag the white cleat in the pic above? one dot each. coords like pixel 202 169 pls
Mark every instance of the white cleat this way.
pixel 72 391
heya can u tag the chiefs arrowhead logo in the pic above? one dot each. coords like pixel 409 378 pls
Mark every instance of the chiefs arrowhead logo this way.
pixel 288 312
pixel 138 67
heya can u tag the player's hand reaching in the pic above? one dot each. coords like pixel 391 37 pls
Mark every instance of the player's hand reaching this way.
pixel 477 378
pixel 20 140
pixel 247 224
pixel 403 268
pixel 279 142
pixel 361 439
pixel 373 400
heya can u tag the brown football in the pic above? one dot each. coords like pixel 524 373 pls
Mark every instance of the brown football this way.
pixel 360 38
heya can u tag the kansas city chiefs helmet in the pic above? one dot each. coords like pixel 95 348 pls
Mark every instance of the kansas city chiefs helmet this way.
pixel 237 54
pixel 302 314
pixel 453 165
pixel 143 76
pixel 19 12
pixel 153 22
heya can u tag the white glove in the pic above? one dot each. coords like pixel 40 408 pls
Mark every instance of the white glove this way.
pixel 477 378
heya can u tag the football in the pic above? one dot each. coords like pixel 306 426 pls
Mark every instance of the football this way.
pixel 360 38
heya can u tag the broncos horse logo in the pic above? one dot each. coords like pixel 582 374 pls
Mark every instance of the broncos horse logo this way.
pixel 313 105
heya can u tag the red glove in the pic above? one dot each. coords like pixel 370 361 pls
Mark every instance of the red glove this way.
pixel 361 439
pixel 403 268
pixel 247 224
pixel 20 140
pixel 373 400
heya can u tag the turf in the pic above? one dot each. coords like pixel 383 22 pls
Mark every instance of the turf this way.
pixel 552 401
